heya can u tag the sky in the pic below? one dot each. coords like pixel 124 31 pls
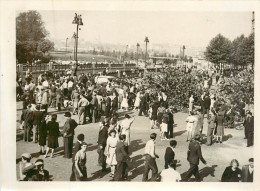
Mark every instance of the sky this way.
pixel 129 27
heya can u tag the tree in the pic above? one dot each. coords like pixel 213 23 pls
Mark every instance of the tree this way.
pixel 31 42
pixel 219 50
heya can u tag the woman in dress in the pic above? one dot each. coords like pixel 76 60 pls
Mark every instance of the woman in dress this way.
pixel 137 101
pixel 190 125
pixel 53 134
pixel 232 173
pixel 191 102
pixel 125 125
pixel 79 167
pixel 43 133
pixel 111 151
pixel 220 127
pixel 124 103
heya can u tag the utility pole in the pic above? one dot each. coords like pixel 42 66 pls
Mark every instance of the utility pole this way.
pixel 253 22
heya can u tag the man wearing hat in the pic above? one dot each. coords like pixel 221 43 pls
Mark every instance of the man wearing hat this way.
pixel 41 174
pixel 83 103
pixel 26 168
pixel 68 134
pixel 26 117
pixel 36 120
pixel 194 155
pixel 247 174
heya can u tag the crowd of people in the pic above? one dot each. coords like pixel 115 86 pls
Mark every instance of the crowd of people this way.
pixel 157 96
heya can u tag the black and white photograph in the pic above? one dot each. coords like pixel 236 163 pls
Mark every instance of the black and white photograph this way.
pixel 134 96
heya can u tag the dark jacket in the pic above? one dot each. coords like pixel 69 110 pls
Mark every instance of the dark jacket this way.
pixel 168 156
pixel 194 153
pixel 53 128
pixel 102 136
pixel 121 154
pixel 69 127
pixel 207 102
pixel 231 176
pixel 36 117
pixel 115 102
pixel 245 174
pixel 27 116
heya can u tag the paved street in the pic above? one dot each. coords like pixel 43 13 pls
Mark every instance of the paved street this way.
pixel 218 156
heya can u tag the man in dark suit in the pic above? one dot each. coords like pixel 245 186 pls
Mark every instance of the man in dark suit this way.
pixel 207 102
pixel 108 106
pixel 26 117
pixel 36 121
pixel 114 104
pixel 121 158
pixel 68 134
pixel 170 154
pixel 143 104
pixel 94 103
pixel 194 155
pixel 102 141
pixel 250 130
pixel 202 103
pixel 247 174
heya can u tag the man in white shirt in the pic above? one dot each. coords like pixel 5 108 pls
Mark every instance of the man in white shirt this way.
pixel 170 174
pixel 45 84
pixel 150 156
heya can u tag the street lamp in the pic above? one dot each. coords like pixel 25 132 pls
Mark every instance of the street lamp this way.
pixel 78 21
pixel 146 40
pixel 66 43
pixel 137 46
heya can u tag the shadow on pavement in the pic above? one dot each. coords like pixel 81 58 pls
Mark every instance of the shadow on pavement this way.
pixel 179 133
pixel 137 166
pixel 136 145
pixel 206 171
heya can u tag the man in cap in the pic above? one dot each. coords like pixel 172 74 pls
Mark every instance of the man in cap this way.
pixel 194 155
pixel 41 174
pixel 68 134
pixel 83 103
pixel 247 174
pixel 26 117
pixel 26 168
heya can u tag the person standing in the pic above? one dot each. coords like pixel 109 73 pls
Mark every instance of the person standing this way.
pixel 211 127
pixel 53 134
pixel 248 171
pixel 121 158
pixel 102 141
pixel 26 117
pixel 191 102
pixel 194 155
pixel 75 99
pixel 68 134
pixel 169 154
pixel 94 103
pixel 191 120
pixel 170 124
pixel 115 104
pixel 36 121
pixel 150 156
pixel 45 100
pixel 207 103
pixel 125 125
pixel 43 133
pixel 83 103
pixel 79 168
pixel 111 151
pixel 250 126
pixel 108 105
pixel 220 125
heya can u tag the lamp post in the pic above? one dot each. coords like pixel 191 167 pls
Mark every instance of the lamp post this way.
pixel 78 21
pixel 66 43
pixel 146 40
pixel 137 46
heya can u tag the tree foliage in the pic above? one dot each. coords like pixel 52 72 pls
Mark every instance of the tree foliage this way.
pixel 31 37
pixel 238 52
pixel 219 50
